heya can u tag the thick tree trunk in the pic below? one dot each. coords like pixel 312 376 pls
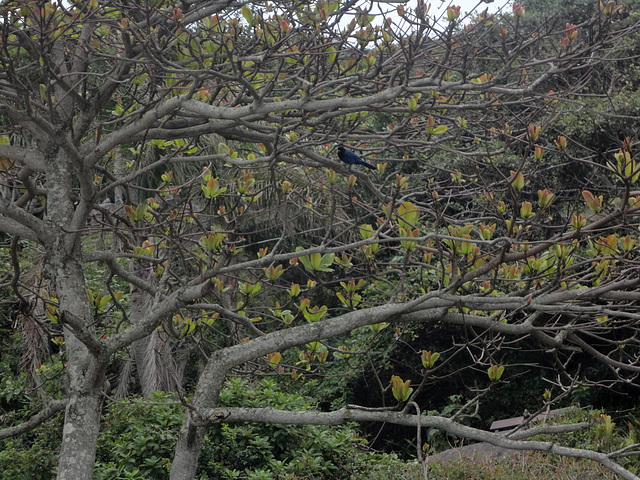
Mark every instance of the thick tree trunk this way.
pixel 79 437
pixel 85 379
pixel 191 436
pixel 188 448
pixel 86 366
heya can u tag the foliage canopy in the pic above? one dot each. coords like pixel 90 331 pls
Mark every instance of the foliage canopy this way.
pixel 171 197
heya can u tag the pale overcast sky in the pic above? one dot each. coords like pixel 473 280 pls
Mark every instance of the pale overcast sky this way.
pixel 468 5
pixel 438 7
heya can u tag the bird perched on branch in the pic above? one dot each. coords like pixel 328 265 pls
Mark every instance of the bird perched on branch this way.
pixel 351 158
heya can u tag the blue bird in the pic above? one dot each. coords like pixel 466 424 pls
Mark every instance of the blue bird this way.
pixel 351 158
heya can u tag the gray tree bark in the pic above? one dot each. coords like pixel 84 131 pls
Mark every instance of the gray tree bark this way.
pixel 85 374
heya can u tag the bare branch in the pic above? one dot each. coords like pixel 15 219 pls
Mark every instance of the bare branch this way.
pixel 42 416
pixel 344 415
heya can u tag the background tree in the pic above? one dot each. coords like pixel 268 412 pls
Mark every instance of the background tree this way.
pixel 174 168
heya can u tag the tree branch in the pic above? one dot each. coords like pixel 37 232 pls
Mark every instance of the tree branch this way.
pixel 42 416
pixel 344 415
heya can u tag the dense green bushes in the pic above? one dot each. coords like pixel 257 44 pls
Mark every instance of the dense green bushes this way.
pixel 138 439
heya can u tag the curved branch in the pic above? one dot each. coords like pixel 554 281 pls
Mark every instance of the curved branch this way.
pixel 111 259
pixel 43 415
pixel 601 357
pixel 14 227
pixel 344 415
pixel 30 157
pixel 94 153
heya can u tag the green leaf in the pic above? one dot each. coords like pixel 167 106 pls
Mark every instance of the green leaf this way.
pixel 408 215
pixel 429 359
pixel 247 14
pixel 400 389
pixel 312 314
pixel 212 188
pixel 350 301
pixel 495 372
pixel 366 231
pixel 223 149
pixel 139 79
pixel 332 54
pixel 317 262
pixel 103 302
pixel 249 289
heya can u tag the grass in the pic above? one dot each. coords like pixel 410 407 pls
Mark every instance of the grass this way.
pixel 520 466
pixel 603 436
